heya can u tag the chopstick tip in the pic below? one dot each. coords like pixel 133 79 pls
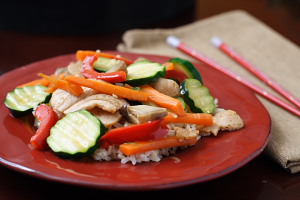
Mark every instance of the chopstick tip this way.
pixel 173 41
pixel 216 41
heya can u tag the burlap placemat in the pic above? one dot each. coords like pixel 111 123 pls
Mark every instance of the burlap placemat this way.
pixel 262 46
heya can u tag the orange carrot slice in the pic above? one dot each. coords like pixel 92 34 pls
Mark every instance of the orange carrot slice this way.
pixel 40 81
pixel 144 146
pixel 169 66
pixel 62 84
pixel 190 118
pixel 51 88
pixel 164 100
pixel 108 88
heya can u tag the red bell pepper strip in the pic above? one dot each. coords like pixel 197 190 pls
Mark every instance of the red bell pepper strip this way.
pixel 139 132
pixel 88 71
pixel 176 75
pixel 47 118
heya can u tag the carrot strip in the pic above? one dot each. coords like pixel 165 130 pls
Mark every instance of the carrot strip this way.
pixel 81 54
pixel 169 66
pixel 62 84
pixel 51 88
pixel 40 81
pixel 144 146
pixel 164 100
pixel 61 76
pixel 108 88
pixel 190 118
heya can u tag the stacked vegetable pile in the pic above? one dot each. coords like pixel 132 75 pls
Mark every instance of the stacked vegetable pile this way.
pixel 148 97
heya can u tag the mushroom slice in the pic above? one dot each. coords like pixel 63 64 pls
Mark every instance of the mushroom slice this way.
pixel 142 113
pixel 167 86
pixel 108 119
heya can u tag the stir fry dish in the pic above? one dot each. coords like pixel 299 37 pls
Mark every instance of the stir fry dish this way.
pixel 109 108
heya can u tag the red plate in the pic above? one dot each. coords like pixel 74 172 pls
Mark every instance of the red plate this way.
pixel 211 158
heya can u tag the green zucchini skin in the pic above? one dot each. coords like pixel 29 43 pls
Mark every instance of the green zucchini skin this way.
pixel 182 102
pixel 197 96
pixel 76 135
pixel 144 72
pixel 187 68
pixel 21 101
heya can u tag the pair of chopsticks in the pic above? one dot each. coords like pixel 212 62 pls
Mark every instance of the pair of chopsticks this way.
pixel 177 43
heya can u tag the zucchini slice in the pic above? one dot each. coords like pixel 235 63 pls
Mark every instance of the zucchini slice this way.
pixel 21 101
pixel 144 72
pixel 186 68
pixel 76 135
pixel 197 96
pixel 104 64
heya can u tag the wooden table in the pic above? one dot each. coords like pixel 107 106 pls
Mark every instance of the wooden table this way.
pixel 262 178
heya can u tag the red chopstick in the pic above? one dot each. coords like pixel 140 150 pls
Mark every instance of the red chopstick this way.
pixel 175 42
pixel 216 41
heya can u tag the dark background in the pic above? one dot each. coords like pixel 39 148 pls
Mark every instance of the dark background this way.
pixel 89 16
pixel 34 30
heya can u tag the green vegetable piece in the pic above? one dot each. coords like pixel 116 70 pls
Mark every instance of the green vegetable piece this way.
pixel 103 64
pixel 76 135
pixel 144 72
pixel 197 96
pixel 21 101
pixel 187 68
pixel 182 102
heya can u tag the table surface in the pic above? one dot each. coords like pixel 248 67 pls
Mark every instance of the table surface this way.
pixel 262 178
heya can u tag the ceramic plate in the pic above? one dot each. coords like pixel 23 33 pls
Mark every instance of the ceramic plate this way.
pixel 211 158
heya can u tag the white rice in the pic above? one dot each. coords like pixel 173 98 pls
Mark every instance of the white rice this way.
pixel 113 153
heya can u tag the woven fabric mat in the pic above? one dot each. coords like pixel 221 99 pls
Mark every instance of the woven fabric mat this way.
pixel 259 44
